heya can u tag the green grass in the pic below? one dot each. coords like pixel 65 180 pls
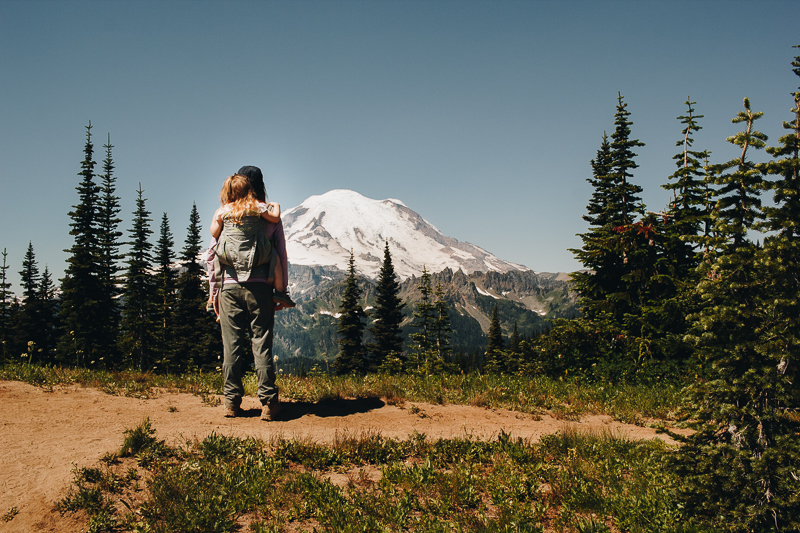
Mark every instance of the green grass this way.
pixel 566 399
pixel 563 398
pixel 570 482
pixel 123 383
pixel 567 482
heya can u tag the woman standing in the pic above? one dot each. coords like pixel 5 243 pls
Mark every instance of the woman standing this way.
pixel 245 305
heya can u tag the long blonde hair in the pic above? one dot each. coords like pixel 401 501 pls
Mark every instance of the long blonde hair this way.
pixel 240 196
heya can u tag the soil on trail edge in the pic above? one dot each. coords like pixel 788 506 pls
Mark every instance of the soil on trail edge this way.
pixel 45 433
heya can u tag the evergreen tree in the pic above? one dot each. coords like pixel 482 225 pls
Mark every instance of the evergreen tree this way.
pixel 741 183
pixel 387 316
pixel 783 217
pixel 515 356
pixel 166 279
pixel 494 345
pixel 109 256
pixel 139 292
pixel 440 333
pixel 689 212
pixel 768 389
pixel 737 467
pixel 616 250
pixel 597 254
pixel 80 288
pixel 351 357
pixel 28 327
pixel 6 297
pixel 422 340
pixel 669 293
pixel 48 316
pixel 622 164
pixel 198 340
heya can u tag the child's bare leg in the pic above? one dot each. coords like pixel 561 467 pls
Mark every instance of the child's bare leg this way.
pixel 280 295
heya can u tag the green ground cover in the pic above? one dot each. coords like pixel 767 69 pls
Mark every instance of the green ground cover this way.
pixel 566 482
pixel 363 483
pixel 631 403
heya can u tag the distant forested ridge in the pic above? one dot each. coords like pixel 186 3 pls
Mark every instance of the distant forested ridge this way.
pixel 526 297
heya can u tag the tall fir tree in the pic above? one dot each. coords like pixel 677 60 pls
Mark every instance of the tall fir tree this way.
pixel 615 249
pixel 109 257
pixel 689 212
pixel 668 295
pixel 166 279
pixel 198 341
pixel 515 356
pixel 351 358
pixel 387 316
pixel 48 316
pixel 139 292
pixel 622 165
pixel 741 183
pixel 6 297
pixel 79 311
pixel 28 325
pixel 494 345
pixel 441 331
pixel 423 317
pixel 771 381
pixel 737 468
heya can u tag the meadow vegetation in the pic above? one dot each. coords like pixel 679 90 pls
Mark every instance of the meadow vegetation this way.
pixel 566 399
pixel 566 482
pixel 584 482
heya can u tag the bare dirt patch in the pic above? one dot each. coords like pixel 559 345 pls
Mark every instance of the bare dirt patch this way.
pixel 46 433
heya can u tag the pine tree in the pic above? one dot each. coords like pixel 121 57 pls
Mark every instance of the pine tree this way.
pixel 6 297
pixel 616 249
pixel 622 163
pixel 597 254
pixel 139 292
pixel 109 256
pixel 166 279
pixel 669 294
pixel 515 356
pixel 48 316
pixel 440 333
pixel 351 356
pixel 423 318
pixel 79 312
pixel 767 391
pixel 494 345
pixel 28 327
pixel 198 340
pixel 387 316
pixel 783 217
pixel 737 467
pixel 741 183
pixel 689 213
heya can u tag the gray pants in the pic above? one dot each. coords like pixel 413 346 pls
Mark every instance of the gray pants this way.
pixel 247 308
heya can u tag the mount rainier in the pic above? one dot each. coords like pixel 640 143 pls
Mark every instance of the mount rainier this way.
pixel 324 228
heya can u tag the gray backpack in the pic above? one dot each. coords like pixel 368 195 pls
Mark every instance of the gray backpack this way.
pixel 243 251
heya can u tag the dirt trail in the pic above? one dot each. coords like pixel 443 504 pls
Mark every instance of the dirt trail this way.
pixel 43 434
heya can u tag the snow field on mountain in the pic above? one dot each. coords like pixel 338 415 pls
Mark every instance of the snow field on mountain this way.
pixel 324 228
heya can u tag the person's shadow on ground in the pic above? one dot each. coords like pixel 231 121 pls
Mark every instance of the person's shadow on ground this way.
pixel 294 410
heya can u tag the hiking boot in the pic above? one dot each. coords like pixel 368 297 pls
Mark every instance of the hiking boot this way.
pixel 233 412
pixel 283 299
pixel 270 411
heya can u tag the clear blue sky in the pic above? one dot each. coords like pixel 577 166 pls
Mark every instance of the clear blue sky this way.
pixel 482 116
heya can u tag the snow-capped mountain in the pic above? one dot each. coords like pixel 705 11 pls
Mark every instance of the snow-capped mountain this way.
pixel 322 230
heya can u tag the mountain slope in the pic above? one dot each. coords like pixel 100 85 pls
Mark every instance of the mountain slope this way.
pixel 527 298
pixel 323 229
